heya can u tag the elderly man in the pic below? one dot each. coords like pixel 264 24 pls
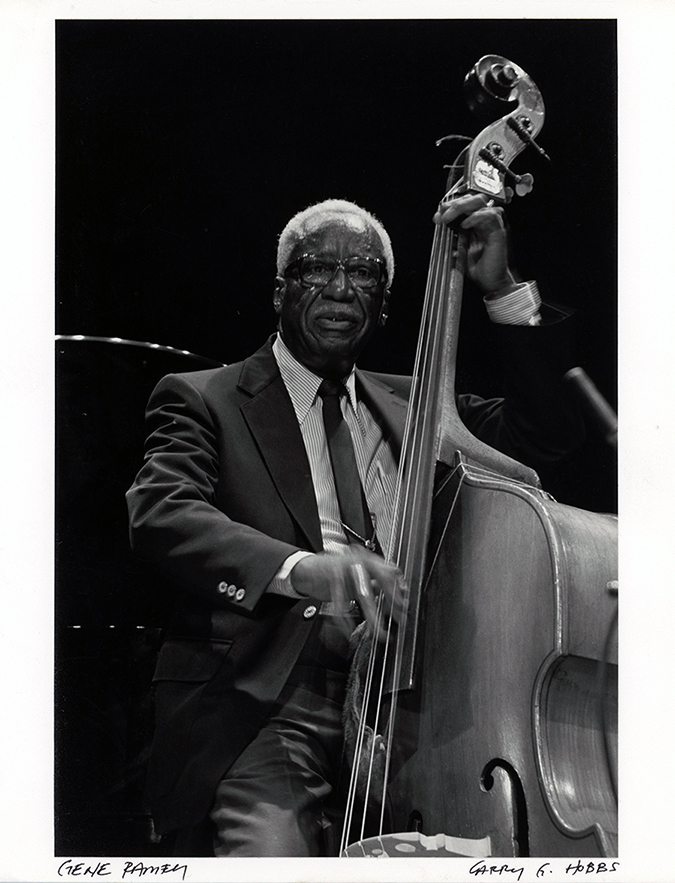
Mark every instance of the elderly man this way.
pixel 263 482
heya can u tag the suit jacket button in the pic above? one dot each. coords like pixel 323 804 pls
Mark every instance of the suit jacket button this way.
pixel 240 594
pixel 231 591
pixel 309 612
pixel 222 587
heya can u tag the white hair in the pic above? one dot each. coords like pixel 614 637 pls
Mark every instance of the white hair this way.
pixel 315 216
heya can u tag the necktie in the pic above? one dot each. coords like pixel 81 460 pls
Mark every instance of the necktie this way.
pixel 352 501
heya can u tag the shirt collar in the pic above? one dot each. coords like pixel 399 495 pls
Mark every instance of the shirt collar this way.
pixel 303 384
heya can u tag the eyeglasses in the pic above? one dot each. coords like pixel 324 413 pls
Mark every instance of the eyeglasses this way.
pixel 363 273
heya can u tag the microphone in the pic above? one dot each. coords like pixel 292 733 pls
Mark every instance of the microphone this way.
pixel 595 404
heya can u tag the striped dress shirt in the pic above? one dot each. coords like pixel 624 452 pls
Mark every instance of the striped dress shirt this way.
pixel 374 459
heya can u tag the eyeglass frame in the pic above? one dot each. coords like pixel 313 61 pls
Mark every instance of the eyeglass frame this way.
pixel 339 265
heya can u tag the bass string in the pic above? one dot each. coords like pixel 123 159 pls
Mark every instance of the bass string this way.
pixel 422 395
pixel 379 707
pixel 431 342
pixel 358 752
pixel 442 264
pixel 408 478
pixel 361 738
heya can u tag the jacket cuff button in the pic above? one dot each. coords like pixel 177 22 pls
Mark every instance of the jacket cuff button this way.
pixel 231 590
pixel 240 594
pixel 222 587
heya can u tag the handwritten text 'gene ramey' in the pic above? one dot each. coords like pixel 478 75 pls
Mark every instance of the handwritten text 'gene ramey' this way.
pixel 129 870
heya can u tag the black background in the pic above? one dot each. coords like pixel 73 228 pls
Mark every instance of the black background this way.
pixel 182 149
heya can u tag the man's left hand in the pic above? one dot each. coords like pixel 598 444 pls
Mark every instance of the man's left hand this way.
pixel 487 260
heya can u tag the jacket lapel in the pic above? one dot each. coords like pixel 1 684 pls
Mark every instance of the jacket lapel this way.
pixel 270 417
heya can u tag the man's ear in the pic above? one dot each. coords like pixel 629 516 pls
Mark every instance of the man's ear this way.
pixel 279 293
pixel 384 309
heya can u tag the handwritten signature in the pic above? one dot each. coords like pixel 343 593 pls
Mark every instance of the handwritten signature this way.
pixel 69 868
pixel 479 869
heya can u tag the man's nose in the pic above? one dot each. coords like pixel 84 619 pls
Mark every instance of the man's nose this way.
pixel 339 287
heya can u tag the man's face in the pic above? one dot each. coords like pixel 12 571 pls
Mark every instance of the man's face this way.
pixel 326 327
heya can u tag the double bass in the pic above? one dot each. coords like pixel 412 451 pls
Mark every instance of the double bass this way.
pixel 485 724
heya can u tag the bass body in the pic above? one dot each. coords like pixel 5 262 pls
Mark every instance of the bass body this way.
pixel 510 729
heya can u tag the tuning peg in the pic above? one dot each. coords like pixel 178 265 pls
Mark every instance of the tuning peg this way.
pixel 522 127
pixel 524 184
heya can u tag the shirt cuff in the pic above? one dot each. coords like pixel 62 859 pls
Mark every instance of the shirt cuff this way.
pixel 518 307
pixel 281 581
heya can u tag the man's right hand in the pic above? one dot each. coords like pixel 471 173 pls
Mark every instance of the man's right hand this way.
pixel 355 574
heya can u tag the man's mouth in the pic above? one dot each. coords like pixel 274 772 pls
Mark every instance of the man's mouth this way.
pixel 335 322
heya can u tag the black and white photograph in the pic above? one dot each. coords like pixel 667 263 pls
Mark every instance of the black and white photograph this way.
pixel 335 448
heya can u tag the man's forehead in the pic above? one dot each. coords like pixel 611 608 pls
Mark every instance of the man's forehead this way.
pixel 346 227
pixel 343 220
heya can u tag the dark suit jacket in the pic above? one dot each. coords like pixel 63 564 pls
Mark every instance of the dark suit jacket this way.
pixel 224 497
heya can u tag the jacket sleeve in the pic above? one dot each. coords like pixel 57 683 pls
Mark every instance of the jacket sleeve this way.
pixel 174 517
pixel 537 420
